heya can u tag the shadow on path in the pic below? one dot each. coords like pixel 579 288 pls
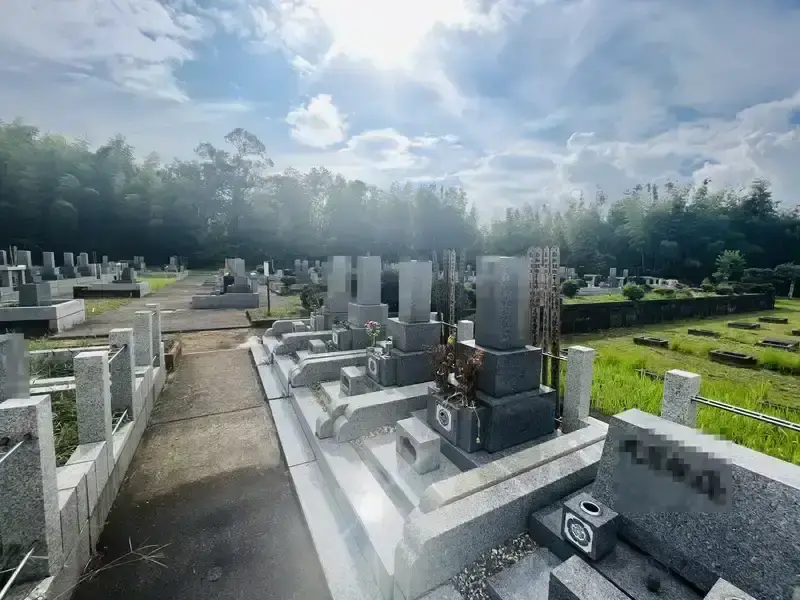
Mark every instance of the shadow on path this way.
pixel 208 483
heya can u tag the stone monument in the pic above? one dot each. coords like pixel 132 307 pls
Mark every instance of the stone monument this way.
pixel 405 360
pixel 338 295
pixel 83 265
pixel 49 270
pixel 367 307
pixel 519 408
pixel 68 270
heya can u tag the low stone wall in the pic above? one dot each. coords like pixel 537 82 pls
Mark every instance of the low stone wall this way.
pixel 65 508
pixel 231 300
pixel 584 318
pixel 39 320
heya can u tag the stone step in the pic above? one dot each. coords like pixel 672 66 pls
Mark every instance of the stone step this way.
pixel 343 565
pixel 332 391
pixel 528 579
pixel 283 366
pixel 294 442
pixel 402 483
pixel 270 343
pixel 376 521
pixel 269 378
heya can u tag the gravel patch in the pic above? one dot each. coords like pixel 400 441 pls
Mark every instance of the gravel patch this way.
pixel 471 581
pixel 382 430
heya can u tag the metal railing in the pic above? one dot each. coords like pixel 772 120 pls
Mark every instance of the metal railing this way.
pixel 120 421
pixel 18 569
pixel 15 574
pixel 114 352
pixel 748 413
pixel 6 455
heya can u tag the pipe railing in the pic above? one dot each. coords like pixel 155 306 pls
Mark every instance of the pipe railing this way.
pixel 747 413
pixel 15 574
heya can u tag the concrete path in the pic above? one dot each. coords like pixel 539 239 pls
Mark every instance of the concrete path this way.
pixel 210 483
pixel 176 316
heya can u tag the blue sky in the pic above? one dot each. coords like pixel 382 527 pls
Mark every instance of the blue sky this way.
pixel 516 100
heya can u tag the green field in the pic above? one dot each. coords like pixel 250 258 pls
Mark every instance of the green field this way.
pixel 773 388
pixel 618 297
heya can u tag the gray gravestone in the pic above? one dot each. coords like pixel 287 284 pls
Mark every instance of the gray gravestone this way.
pixel 338 296
pixel 34 294
pixel 3 257
pixel 415 281
pixel 14 370
pixel 297 265
pixel 369 280
pixel 704 507
pixel 24 258
pixel 503 308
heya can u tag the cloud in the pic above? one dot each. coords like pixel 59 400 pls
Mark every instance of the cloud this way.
pixel 319 124
pixel 138 43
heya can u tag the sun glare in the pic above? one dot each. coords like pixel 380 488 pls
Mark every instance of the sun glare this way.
pixel 388 33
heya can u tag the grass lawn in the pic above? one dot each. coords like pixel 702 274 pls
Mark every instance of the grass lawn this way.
pixel 158 283
pixel 770 389
pixel 292 307
pixel 618 297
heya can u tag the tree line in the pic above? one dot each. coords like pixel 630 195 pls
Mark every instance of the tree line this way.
pixel 61 195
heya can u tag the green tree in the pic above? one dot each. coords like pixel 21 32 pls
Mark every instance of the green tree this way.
pixel 730 266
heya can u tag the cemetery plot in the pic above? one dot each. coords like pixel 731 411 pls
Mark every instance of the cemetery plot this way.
pixel 743 325
pixel 775 320
pixel 771 386
pixel 645 340
pixel 733 358
pixel 789 345
pixel 703 332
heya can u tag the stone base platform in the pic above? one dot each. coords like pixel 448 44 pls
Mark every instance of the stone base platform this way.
pixel 40 320
pixel 138 289
pixel 212 301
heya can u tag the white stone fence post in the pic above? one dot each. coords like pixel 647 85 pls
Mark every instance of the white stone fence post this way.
pixel 680 389
pixel 578 388
pixel 30 521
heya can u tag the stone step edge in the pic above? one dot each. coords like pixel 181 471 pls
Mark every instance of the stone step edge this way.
pixel 381 563
pixel 273 388
pixel 346 571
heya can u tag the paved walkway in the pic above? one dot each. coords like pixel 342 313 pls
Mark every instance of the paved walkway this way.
pixel 210 483
pixel 176 316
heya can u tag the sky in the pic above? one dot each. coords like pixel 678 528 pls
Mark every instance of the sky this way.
pixel 517 101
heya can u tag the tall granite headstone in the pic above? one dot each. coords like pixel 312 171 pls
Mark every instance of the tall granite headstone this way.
pixel 366 308
pixel 509 382
pixel 405 361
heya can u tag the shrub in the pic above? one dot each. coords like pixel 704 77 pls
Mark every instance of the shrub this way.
pixel 707 286
pixel 724 290
pixel 581 282
pixel 664 292
pixel 260 269
pixel 759 288
pixel 738 288
pixel 633 292
pixel 686 293
pixel 646 287
pixel 570 288
pixel 311 297
pixel 287 281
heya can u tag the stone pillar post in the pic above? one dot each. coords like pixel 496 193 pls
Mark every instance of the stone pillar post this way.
pixel 123 373
pixel 157 348
pixel 14 372
pixel 578 392
pixel 29 512
pixel 143 338
pixel 679 389
pixel 93 398
pixel 466 331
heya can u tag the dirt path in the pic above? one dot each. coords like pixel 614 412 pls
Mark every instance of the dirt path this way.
pixel 208 483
